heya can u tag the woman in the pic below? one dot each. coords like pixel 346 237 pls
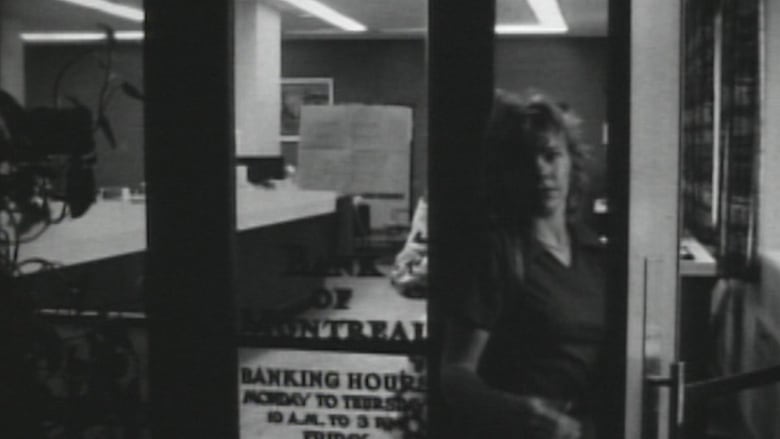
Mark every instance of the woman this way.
pixel 523 347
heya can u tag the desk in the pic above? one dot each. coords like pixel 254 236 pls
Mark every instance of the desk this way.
pixel 698 276
pixel 702 264
pixel 116 228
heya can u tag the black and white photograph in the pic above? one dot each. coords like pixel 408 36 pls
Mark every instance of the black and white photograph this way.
pixel 398 219
pixel 297 92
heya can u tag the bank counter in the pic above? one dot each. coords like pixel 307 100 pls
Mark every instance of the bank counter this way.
pixel 118 227
pixel 100 255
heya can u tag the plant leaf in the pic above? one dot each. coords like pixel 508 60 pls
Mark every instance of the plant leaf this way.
pixel 132 91
pixel 105 127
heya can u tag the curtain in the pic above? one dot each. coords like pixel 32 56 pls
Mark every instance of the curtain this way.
pixel 699 188
pixel 720 129
pixel 740 125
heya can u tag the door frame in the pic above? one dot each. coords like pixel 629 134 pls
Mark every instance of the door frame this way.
pixel 653 218
pixel 189 165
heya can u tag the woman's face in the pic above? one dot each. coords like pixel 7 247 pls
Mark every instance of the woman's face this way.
pixel 552 166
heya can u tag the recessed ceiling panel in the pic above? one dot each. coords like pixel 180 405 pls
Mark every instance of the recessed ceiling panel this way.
pixel 379 16
pixel 514 12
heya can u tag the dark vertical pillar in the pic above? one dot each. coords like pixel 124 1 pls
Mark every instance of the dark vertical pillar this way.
pixel 460 84
pixel 618 179
pixel 191 218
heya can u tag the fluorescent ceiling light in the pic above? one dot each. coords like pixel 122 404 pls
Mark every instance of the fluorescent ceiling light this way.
pixel 519 29
pixel 327 14
pixel 72 37
pixel 548 15
pixel 111 8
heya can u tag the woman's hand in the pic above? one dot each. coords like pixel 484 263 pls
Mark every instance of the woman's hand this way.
pixel 411 267
pixel 547 420
pixel 527 416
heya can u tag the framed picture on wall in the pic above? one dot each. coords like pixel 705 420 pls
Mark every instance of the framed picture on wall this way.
pixel 297 92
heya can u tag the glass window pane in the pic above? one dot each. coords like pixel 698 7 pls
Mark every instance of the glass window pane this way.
pixel 532 332
pixel 331 150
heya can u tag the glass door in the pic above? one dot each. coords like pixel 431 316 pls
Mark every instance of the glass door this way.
pixel 540 71
pixel 331 263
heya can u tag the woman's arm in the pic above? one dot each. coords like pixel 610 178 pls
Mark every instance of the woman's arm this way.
pixel 465 391
pixel 410 269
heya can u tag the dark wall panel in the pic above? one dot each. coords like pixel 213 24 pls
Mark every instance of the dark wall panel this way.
pixel 572 70
pixel 368 72
pixel 567 69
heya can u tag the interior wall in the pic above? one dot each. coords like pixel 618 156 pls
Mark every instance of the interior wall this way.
pixel 763 348
pixel 370 72
pixel 769 203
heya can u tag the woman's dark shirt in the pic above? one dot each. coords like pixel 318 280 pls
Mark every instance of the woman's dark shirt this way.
pixel 546 320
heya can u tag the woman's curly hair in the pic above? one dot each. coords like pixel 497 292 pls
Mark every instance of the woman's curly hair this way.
pixel 515 127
